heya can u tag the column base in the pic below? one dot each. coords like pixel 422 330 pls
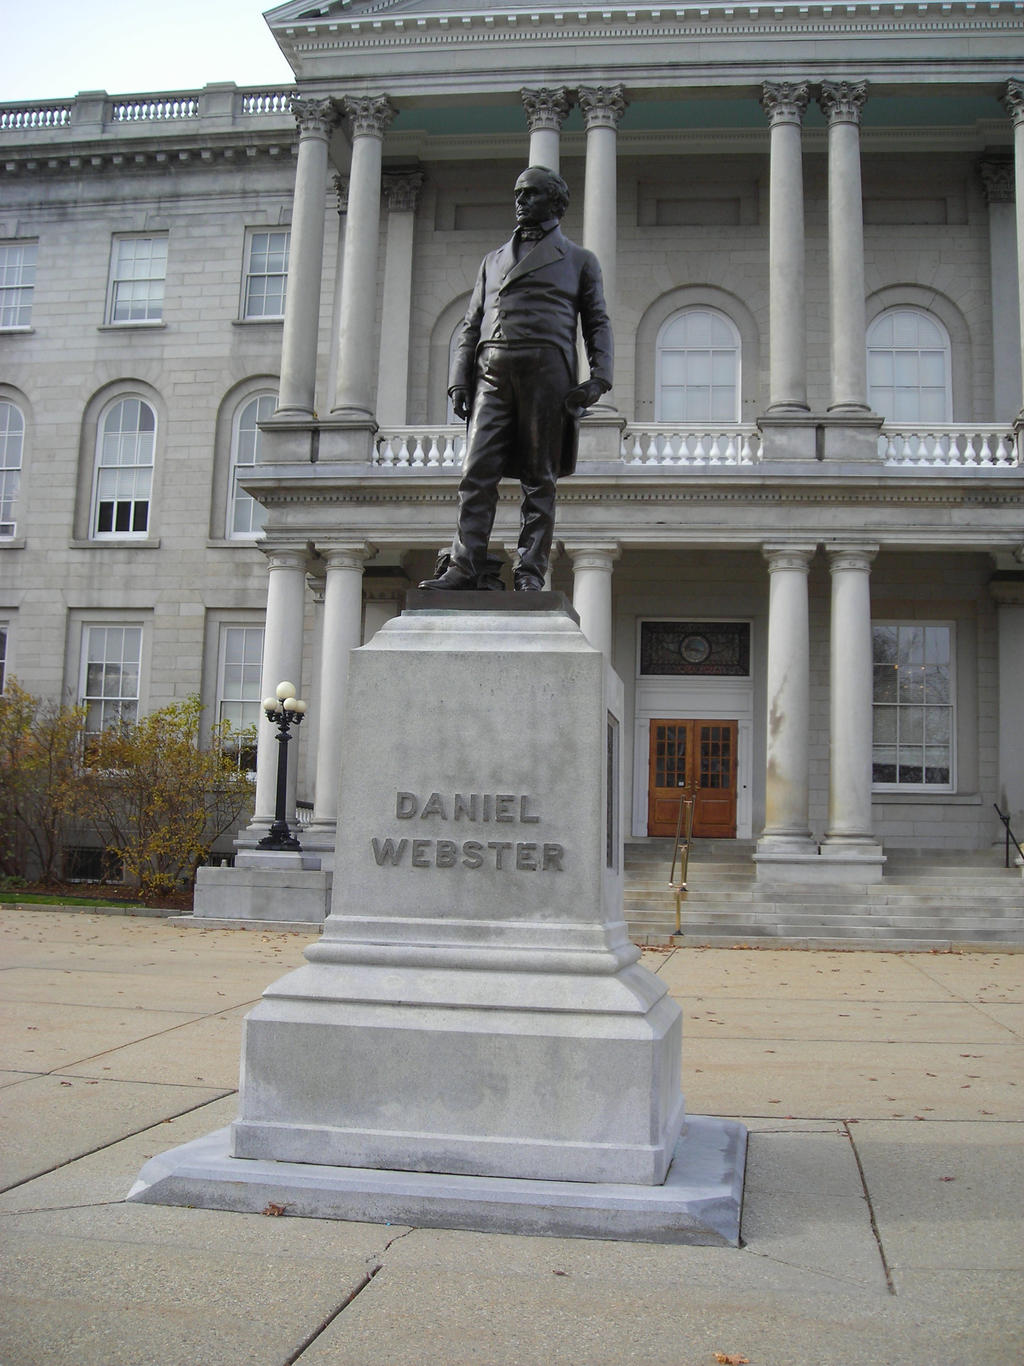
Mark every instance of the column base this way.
pixel 786 858
pixel 854 859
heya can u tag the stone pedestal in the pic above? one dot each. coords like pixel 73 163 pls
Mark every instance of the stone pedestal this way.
pixel 270 888
pixel 474 1010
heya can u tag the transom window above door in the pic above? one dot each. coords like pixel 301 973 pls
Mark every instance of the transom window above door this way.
pixel 697 371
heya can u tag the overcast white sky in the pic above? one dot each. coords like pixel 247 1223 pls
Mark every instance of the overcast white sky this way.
pixel 51 48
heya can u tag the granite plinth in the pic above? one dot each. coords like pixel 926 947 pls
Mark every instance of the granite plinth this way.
pixel 698 1203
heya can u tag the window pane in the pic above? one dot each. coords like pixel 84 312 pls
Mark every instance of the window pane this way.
pixel 913 705
pixel 908 367
pixel 697 368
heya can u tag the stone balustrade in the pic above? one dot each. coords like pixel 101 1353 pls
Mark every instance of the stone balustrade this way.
pixel 979 446
pixel 99 112
pixel 695 446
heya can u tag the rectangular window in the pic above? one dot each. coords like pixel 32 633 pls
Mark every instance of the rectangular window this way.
pixel 17 283
pixel 110 672
pixel 138 267
pixel 266 273
pixel 239 672
pixel 914 721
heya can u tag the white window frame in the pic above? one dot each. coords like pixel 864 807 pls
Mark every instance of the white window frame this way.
pixel 896 350
pixel 17 283
pixel 129 481
pixel 5 641
pixel 735 350
pixel 138 273
pixel 238 681
pixel 257 276
pixel 119 650
pixel 245 446
pixel 12 446
pixel 923 705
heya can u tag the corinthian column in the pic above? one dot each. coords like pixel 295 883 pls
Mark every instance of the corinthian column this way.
pixel 602 107
pixel 850 838
pixel 997 178
pixel 401 194
pixel 342 633
pixel 1013 99
pixel 282 660
pixel 315 119
pixel 592 592
pixel 786 843
pixel 545 113
pixel 370 117
pixel 841 102
pixel 785 104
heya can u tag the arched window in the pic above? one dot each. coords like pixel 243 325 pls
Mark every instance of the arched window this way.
pixel 246 516
pixel 909 378
pixel 123 482
pixel 697 370
pixel 12 439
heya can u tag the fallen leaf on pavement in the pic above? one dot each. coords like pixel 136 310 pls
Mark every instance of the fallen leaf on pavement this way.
pixel 731 1359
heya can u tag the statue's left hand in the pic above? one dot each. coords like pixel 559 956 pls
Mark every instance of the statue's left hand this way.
pixel 584 396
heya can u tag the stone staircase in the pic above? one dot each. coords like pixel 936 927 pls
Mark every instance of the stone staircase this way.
pixel 925 901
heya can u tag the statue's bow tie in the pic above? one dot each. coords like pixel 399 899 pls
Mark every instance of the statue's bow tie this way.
pixel 531 234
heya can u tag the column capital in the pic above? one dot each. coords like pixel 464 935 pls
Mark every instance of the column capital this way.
pixel 789 555
pixel 842 101
pixel 314 118
pixel 347 555
pixel 849 557
pixel 785 101
pixel 593 554
pixel 280 558
pixel 370 115
pixel 546 107
pixel 402 190
pixel 341 184
pixel 317 585
pixel 602 106
pixel 1013 101
pixel 998 179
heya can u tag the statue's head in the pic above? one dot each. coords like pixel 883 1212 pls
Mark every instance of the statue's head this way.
pixel 540 194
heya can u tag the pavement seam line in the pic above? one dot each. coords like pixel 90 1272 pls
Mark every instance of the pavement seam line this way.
pixel 871 1210
pixel 378 1265
pixel 121 1138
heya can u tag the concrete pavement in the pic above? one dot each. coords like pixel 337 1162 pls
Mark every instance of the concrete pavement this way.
pixel 882 1222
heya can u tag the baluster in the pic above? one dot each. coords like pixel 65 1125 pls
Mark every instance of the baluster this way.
pixel 417 454
pixel 654 449
pixel 985 455
pixel 729 458
pixel 746 451
pixel 385 452
pixel 637 454
pixel 715 458
pixel 403 451
pixel 699 458
pixel 433 455
pixel 970 454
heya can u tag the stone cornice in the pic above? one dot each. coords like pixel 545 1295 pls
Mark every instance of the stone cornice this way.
pixel 158 154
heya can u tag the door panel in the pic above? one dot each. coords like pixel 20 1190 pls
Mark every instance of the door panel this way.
pixel 700 756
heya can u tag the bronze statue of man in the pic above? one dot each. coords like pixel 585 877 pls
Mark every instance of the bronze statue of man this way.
pixel 514 377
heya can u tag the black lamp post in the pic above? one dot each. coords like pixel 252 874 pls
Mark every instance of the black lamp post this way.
pixel 284 711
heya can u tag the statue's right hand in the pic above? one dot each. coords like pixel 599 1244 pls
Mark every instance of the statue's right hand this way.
pixel 460 403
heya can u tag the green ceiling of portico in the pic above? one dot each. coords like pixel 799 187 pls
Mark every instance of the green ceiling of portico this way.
pixel 882 111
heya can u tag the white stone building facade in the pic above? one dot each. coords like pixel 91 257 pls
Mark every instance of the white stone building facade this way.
pixel 797 526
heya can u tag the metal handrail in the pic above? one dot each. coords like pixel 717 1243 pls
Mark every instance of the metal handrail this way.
pixel 1005 818
pixel 681 852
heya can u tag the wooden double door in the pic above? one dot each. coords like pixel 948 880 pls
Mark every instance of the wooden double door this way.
pixel 693 756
